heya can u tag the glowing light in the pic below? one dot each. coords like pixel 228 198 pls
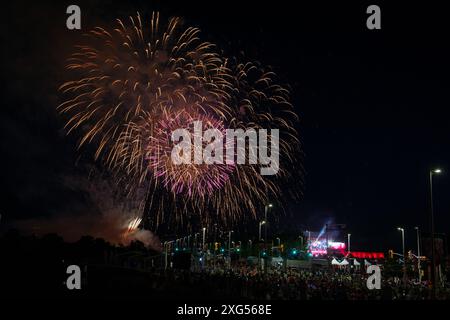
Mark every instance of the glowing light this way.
pixel 367 255
pixel 126 87
pixel 336 245
pixel 194 180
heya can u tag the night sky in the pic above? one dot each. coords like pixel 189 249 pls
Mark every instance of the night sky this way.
pixel 374 105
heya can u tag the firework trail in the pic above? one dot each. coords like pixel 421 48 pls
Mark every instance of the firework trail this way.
pixel 132 85
pixel 133 225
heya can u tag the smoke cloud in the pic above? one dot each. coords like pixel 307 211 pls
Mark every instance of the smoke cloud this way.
pixel 105 216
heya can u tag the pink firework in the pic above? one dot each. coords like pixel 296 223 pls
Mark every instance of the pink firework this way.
pixel 188 178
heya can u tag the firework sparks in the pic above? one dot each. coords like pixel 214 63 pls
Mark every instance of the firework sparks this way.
pixel 133 225
pixel 132 85
pixel 195 180
pixel 127 71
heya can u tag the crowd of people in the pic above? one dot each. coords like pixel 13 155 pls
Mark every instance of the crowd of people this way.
pixel 132 270
pixel 250 283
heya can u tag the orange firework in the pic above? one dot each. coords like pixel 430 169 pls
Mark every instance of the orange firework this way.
pixel 130 84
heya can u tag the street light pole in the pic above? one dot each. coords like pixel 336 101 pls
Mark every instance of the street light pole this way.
pixel 265 227
pixel 418 253
pixel 229 247
pixel 204 235
pixel 229 242
pixel 265 219
pixel 348 241
pixel 260 224
pixel 433 258
pixel 167 244
pixel 404 254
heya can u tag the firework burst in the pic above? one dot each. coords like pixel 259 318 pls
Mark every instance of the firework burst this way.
pixel 124 72
pixel 131 86
pixel 194 180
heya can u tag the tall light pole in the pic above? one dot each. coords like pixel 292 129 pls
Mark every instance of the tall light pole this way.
pixel 260 224
pixel 167 244
pixel 404 254
pixel 348 241
pixel 418 253
pixel 204 235
pixel 265 219
pixel 309 240
pixel 229 247
pixel 433 258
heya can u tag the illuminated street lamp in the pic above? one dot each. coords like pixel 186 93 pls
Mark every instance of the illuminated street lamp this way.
pixel 260 224
pixel 204 235
pixel 279 241
pixel 309 236
pixel 404 254
pixel 301 244
pixel 433 258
